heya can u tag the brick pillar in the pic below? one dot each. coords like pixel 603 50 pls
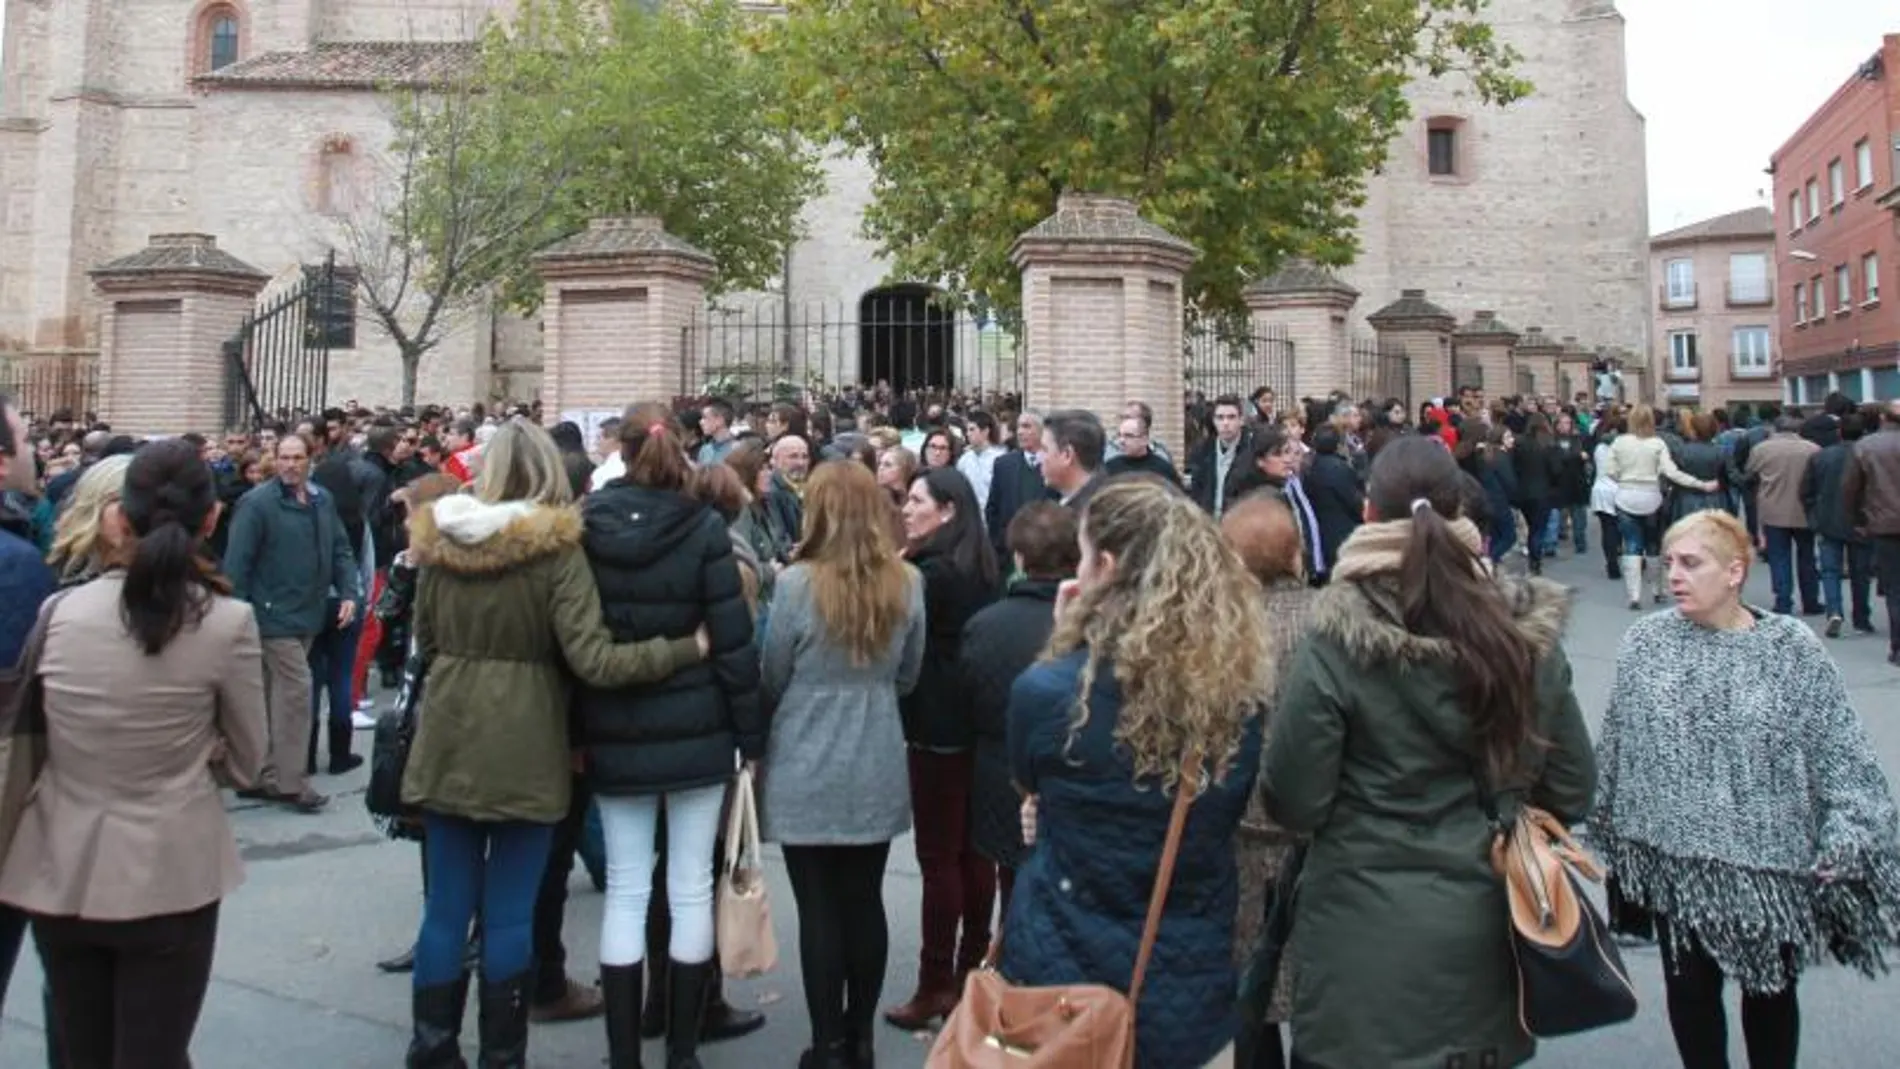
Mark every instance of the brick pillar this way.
pixel 1423 331
pixel 1486 343
pixel 169 309
pixel 1310 305
pixel 620 297
pixel 1538 354
pixel 1102 310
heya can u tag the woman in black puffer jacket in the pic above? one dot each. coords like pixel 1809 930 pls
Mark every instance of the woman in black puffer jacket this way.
pixel 665 566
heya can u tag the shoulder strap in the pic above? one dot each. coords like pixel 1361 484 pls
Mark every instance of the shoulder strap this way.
pixel 1164 876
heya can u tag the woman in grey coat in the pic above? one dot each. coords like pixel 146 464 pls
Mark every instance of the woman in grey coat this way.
pixel 845 640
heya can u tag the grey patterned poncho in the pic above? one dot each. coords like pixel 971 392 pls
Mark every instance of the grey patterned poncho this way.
pixel 1731 766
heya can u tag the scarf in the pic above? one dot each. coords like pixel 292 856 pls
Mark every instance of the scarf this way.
pixel 1375 548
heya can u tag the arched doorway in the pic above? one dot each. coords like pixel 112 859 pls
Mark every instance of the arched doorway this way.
pixel 905 339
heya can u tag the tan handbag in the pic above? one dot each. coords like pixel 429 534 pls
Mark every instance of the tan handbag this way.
pixel 1075 1026
pixel 747 946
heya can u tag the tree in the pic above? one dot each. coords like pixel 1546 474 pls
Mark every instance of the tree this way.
pixel 1248 127
pixel 603 107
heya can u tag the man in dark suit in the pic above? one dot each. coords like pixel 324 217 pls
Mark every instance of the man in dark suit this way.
pixel 1017 481
pixel 1221 469
pixel 1332 489
pixel 1072 466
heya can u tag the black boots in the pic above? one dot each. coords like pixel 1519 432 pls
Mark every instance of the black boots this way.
pixel 620 987
pixel 721 1019
pixel 436 1029
pixel 504 1024
pixel 687 986
pixel 341 759
pixel 829 1055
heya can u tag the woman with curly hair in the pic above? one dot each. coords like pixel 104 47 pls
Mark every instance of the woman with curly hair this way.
pixel 1426 693
pixel 1159 662
pixel 91 533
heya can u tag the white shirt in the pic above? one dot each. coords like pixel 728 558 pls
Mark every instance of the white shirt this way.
pixel 610 469
pixel 979 466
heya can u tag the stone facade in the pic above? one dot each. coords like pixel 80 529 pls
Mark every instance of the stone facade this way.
pixel 107 136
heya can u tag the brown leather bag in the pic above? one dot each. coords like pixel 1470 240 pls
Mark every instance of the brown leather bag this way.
pixel 1075 1026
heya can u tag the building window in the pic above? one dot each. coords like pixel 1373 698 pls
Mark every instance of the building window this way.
pixel 1800 304
pixel 1870 277
pixel 1748 278
pixel 1751 352
pixel 330 311
pixel 1843 288
pixel 1679 289
pixel 1863 164
pixel 219 39
pixel 1794 212
pixel 1814 200
pixel 1441 144
pixel 1683 363
pixel 1818 287
pixel 1837 183
pixel 336 177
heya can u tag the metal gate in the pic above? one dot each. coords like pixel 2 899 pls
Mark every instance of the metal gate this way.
pixel 1218 361
pixel 1381 371
pixel 277 365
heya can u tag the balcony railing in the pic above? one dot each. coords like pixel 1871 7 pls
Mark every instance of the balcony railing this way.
pixel 1749 295
pixel 1743 366
pixel 1677 298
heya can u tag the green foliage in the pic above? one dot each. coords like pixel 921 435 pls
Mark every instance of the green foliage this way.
pixel 1245 126
pixel 599 107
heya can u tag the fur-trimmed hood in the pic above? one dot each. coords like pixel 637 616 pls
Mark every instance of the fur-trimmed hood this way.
pixel 462 534
pixel 1361 609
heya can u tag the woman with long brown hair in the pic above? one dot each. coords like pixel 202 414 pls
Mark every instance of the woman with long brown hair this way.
pixel 845 643
pixel 1159 660
pixel 1427 691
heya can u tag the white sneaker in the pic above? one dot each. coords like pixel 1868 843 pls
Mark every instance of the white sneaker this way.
pixel 362 721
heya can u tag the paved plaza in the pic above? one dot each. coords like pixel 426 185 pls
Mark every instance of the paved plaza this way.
pixel 327 896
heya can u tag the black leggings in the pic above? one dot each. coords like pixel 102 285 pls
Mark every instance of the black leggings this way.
pixel 1771 1024
pixel 844 940
pixel 126 994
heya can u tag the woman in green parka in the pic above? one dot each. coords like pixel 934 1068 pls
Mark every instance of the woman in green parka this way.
pixel 1425 681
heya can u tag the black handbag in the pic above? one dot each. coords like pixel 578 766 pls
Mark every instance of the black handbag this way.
pixel 389 752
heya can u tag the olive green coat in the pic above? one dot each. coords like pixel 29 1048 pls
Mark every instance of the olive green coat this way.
pixel 505 609
pixel 1400 949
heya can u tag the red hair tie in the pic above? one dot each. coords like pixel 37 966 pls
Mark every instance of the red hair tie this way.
pixel 654 430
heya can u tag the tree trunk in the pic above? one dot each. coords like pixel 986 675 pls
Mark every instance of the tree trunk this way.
pixel 411 364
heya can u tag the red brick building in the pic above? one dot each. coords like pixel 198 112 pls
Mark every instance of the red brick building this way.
pixel 1837 204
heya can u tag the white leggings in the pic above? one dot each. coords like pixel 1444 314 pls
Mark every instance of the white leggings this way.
pixel 692 825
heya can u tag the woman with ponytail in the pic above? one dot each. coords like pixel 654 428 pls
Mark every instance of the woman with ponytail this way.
pixel 1427 691
pixel 152 677
pixel 659 755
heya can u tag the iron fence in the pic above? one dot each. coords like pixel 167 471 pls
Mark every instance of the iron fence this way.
pixel 905 345
pixel 1526 382
pixel 1219 361
pixel 277 365
pixel 41 386
pixel 1380 370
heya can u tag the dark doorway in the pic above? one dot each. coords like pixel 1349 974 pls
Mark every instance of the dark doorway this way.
pixel 906 339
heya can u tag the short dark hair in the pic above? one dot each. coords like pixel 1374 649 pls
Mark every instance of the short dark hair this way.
pixel 1043 534
pixel 1080 431
pixel 983 419
pixel 718 406
pixel 1326 439
pixel 383 438
pixel 1229 400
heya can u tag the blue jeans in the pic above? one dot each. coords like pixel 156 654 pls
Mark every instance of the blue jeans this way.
pixel 332 668
pixel 497 864
pixel 1858 558
pixel 1642 535
pixel 1791 554
pixel 1579 528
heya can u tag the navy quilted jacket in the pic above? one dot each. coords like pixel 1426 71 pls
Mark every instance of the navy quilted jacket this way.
pixel 1082 894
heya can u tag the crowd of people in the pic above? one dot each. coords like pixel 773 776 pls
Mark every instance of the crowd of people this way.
pixel 1021 637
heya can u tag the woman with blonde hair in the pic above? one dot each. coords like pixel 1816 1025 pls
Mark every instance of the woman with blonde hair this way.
pixel 845 643
pixel 1742 812
pixel 505 609
pixel 1262 530
pixel 90 534
pixel 1153 684
pixel 1638 462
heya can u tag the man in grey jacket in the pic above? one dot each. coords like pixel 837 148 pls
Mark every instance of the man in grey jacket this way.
pixel 287 551
pixel 1776 468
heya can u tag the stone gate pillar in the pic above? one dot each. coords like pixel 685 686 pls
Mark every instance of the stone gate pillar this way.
pixel 1486 343
pixel 169 309
pixel 1102 309
pixel 1309 304
pixel 1537 354
pixel 620 297
pixel 1421 330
